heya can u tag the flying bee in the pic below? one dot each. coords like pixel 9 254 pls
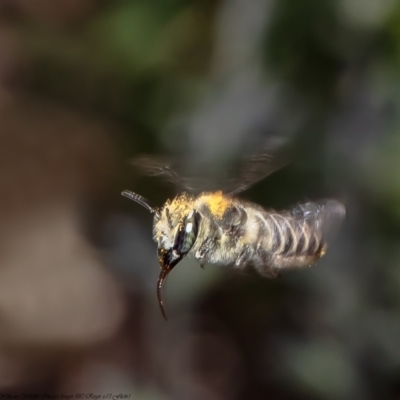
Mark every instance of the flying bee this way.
pixel 219 228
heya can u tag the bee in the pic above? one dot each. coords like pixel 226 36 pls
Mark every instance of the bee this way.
pixel 219 228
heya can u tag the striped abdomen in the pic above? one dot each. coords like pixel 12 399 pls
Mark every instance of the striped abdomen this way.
pixel 296 238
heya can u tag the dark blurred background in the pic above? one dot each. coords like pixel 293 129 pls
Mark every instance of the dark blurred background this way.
pixel 86 86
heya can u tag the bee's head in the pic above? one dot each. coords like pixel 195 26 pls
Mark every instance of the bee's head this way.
pixel 175 232
pixel 175 236
pixel 176 226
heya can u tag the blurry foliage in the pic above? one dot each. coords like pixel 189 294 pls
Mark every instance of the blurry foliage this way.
pixel 137 61
pixel 301 45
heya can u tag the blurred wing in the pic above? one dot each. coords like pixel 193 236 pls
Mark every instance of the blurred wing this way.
pixel 253 169
pixel 249 171
pixel 165 169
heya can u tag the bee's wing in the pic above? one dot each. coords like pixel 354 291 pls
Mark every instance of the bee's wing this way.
pixel 250 170
pixel 253 169
pixel 167 170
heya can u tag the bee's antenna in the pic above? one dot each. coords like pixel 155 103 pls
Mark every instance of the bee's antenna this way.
pixel 141 200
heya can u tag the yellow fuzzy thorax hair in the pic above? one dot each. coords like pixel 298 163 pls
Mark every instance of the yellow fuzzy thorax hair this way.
pixel 216 202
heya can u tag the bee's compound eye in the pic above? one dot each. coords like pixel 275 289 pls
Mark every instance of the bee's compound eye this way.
pixel 187 234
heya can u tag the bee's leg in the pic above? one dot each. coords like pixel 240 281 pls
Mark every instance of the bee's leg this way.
pixel 244 256
pixel 201 253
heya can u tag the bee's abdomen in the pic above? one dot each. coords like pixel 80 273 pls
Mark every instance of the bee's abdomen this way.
pixel 291 239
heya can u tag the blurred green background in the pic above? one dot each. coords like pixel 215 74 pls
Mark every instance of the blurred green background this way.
pixel 86 86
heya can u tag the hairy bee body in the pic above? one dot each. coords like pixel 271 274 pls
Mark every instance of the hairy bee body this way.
pixel 219 228
pixel 238 233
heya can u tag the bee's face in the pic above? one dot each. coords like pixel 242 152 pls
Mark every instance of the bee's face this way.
pixel 175 231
